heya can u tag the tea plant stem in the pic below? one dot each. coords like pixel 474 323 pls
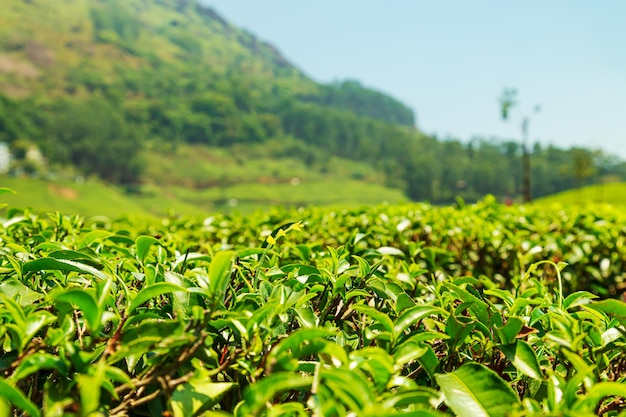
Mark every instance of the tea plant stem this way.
pixel 617 404
pixel 113 341
pixel 255 282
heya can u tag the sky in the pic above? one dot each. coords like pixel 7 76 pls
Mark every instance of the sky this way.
pixel 450 60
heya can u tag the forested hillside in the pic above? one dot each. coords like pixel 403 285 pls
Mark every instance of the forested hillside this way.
pixel 103 87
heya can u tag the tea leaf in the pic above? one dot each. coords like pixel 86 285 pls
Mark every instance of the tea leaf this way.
pixel 612 308
pixel 474 390
pixel 148 293
pixel 257 395
pixel 198 395
pixel 143 244
pixel 65 265
pixel 18 399
pixel 219 273
pixel 524 358
pixel 85 303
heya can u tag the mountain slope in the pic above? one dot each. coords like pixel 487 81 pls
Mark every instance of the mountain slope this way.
pixel 69 46
pixel 49 40
pixel 95 83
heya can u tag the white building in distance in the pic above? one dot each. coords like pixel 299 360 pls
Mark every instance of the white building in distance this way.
pixel 5 158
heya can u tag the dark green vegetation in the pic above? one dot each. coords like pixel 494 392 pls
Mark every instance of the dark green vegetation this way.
pixel 479 310
pixel 105 88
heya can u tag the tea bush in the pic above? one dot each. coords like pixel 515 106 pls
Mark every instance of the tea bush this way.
pixel 413 310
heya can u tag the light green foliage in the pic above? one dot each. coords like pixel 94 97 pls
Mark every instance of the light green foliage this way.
pixel 244 195
pixel 396 310
pixel 611 193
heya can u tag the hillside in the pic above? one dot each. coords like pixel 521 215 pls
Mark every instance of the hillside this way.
pixel 119 82
pixel 611 193
pixel 136 48
pixel 121 90
pixel 108 42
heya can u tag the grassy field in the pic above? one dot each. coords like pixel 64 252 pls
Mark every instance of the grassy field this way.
pixel 244 191
pixel 91 198
pixel 613 193
pixel 195 180
pixel 95 198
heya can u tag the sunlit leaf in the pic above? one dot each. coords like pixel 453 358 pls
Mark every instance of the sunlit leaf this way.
pixel 413 315
pixel 509 331
pixel 256 396
pixel 291 347
pixel 95 236
pixel 476 305
pixel 612 308
pixel 197 395
pixel 219 272
pixel 14 289
pixel 375 314
pixel 578 298
pixel 474 390
pixel 388 250
pixel 143 244
pixel 348 387
pixel 81 257
pixel 408 352
pixel 65 265
pixel 523 358
pixel 85 303
pixel 37 362
pixel 35 321
pixel 597 393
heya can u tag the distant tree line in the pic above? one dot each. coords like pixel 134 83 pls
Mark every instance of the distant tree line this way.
pixel 351 95
pixel 100 135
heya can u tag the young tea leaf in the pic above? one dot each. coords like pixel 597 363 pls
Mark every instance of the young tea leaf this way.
pixel 524 358
pixel 64 265
pixel 36 362
pixel 197 395
pixel 589 402
pixel 219 273
pixel 85 303
pixel 256 396
pixel 414 314
pixel 143 244
pixel 612 308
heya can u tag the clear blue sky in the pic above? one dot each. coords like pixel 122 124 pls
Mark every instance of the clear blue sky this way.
pixel 450 60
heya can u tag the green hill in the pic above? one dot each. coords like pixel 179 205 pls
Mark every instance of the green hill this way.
pixel 159 50
pixel 103 43
pixel 106 87
pixel 611 193
pixel 168 99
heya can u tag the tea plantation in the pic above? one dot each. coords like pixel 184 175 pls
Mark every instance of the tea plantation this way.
pixel 413 310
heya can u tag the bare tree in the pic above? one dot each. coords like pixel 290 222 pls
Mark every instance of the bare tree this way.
pixel 508 100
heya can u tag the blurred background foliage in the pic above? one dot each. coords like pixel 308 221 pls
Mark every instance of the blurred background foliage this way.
pixel 106 88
